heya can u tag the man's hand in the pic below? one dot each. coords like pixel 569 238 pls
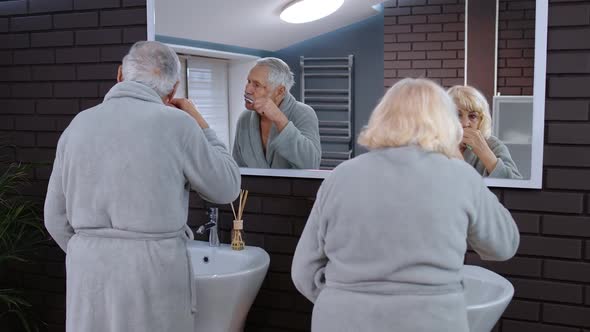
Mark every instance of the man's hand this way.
pixel 188 106
pixel 265 107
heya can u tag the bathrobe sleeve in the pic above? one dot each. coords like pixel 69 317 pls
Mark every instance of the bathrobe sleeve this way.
pixel 210 169
pixel 505 167
pixel 309 260
pixel 56 221
pixel 299 141
pixel 492 232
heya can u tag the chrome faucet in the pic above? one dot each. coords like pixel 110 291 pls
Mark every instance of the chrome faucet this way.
pixel 212 227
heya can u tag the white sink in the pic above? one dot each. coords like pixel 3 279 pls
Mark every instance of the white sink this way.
pixel 227 282
pixel 487 295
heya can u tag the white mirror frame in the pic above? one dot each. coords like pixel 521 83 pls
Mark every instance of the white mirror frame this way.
pixel 536 179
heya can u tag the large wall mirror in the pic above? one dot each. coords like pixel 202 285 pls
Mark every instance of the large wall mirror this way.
pixel 343 63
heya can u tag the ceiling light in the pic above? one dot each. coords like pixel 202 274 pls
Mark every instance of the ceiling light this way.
pixel 304 11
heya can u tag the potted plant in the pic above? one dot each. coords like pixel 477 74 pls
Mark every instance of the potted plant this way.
pixel 21 232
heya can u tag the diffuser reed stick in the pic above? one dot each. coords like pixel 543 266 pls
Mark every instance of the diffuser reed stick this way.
pixel 237 241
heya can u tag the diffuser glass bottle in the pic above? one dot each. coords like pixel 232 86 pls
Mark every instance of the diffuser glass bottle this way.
pixel 237 238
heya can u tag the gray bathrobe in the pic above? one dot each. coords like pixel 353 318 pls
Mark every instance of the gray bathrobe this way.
pixel 297 146
pixel 386 238
pixel 117 203
pixel 505 168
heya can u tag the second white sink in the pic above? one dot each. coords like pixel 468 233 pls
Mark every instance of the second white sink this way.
pixel 487 295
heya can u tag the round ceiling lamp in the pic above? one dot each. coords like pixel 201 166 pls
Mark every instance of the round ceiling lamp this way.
pixel 304 11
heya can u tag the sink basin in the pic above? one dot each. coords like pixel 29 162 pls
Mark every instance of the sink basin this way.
pixel 227 282
pixel 487 295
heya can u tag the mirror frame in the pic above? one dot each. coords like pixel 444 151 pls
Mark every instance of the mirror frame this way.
pixel 540 64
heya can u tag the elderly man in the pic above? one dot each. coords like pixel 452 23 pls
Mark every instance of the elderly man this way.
pixel 117 200
pixel 278 131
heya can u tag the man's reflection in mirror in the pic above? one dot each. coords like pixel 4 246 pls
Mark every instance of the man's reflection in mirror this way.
pixel 276 131
pixel 486 153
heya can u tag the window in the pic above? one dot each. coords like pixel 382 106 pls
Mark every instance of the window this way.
pixel 207 87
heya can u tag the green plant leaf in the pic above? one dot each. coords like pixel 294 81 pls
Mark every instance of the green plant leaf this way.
pixel 21 233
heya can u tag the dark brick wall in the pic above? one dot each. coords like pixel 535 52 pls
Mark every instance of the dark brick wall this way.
pixel 425 39
pixel 42 87
pixel 516 47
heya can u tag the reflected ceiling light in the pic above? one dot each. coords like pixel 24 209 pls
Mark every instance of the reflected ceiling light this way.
pixel 304 11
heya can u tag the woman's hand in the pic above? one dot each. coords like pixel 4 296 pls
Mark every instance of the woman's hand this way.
pixel 474 139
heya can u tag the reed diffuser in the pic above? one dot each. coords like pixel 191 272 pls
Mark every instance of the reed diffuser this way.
pixel 237 240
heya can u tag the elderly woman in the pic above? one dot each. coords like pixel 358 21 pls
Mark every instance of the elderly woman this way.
pixel 486 153
pixel 385 241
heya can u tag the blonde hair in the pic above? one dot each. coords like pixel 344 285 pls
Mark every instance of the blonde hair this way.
pixel 414 111
pixel 469 99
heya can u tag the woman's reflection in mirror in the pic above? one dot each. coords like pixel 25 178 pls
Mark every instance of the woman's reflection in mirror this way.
pixel 479 148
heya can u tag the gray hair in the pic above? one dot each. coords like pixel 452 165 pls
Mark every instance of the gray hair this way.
pixel 279 72
pixel 153 64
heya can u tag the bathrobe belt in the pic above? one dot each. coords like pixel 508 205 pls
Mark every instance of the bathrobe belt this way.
pixel 388 288
pixel 185 233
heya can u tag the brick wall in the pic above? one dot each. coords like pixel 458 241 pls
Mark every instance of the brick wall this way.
pixel 61 75
pixel 425 39
pixel 516 47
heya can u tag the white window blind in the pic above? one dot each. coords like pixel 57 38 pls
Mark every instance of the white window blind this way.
pixel 207 81
pixel 181 90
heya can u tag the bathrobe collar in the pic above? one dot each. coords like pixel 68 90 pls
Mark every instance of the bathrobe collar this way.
pixel 131 89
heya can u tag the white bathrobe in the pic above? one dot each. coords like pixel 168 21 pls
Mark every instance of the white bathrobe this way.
pixel 386 238
pixel 117 203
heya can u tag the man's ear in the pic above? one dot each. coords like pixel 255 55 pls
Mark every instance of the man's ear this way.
pixel 280 92
pixel 120 74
